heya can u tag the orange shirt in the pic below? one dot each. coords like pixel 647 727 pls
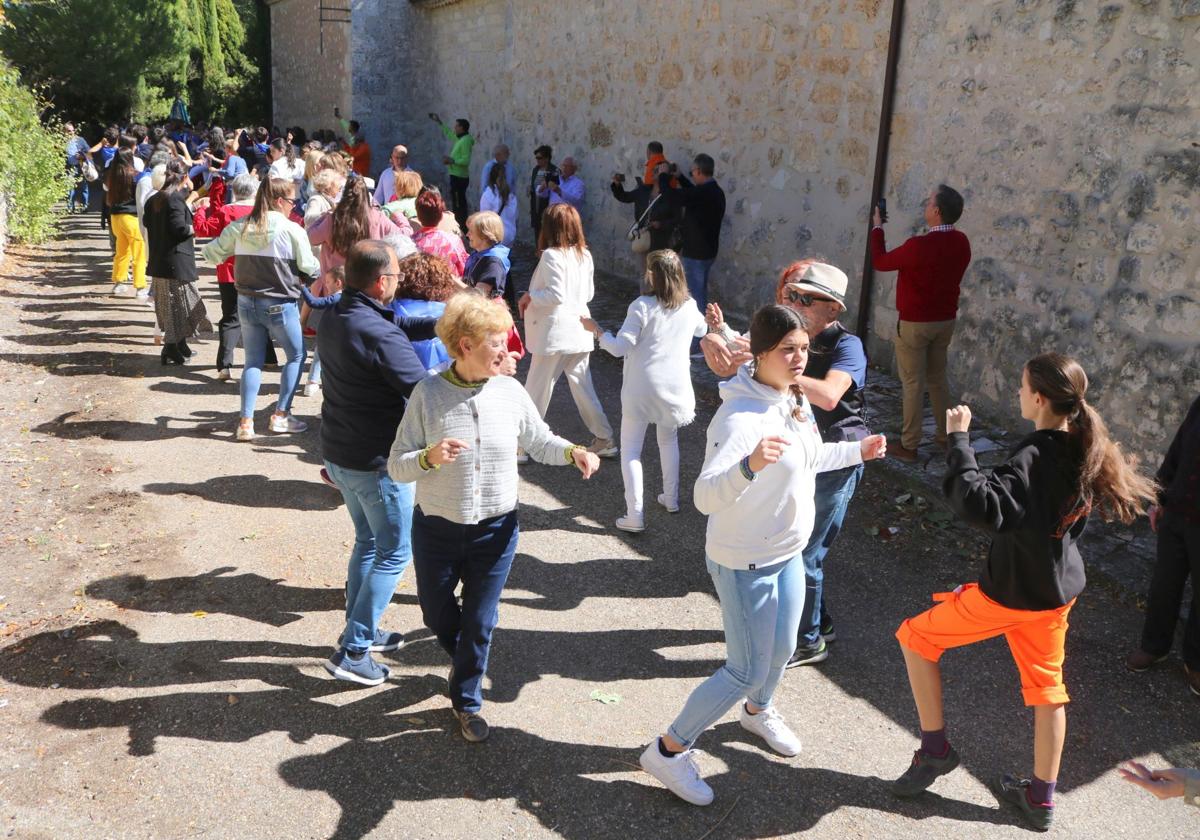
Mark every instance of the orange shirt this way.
pixel 360 156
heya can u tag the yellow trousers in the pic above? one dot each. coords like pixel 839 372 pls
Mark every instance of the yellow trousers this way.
pixel 131 248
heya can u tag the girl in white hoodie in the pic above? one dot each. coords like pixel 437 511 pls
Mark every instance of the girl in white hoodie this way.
pixel 756 487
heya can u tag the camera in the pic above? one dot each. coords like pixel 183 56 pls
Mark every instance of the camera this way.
pixel 882 209
pixel 619 177
pixel 550 177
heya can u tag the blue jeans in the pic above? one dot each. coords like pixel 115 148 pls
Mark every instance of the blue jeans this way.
pixel 760 609
pixel 79 190
pixel 696 272
pixel 834 491
pixel 480 556
pixel 259 323
pixel 381 510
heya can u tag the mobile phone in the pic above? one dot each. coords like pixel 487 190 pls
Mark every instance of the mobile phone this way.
pixel 883 209
pixel 619 177
pixel 337 112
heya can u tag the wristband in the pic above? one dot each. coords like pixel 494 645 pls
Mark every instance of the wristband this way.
pixel 423 459
pixel 571 452
pixel 746 471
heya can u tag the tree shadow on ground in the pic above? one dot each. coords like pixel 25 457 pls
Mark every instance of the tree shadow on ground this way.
pixel 203 424
pixel 254 491
pixel 92 363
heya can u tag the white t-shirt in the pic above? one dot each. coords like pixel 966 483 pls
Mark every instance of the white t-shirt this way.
pixel 280 169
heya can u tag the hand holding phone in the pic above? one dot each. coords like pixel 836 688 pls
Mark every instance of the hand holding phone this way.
pixel 882 209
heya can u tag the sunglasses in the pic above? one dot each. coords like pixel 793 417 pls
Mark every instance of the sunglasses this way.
pixel 804 298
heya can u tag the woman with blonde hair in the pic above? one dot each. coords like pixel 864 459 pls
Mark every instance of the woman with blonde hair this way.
pixel 657 384
pixel 488 266
pixel 403 202
pixel 458 441
pixel 558 296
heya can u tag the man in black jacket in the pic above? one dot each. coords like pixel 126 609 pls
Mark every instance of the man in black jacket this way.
pixel 1176 519
pixel 703 203
pixel 370 370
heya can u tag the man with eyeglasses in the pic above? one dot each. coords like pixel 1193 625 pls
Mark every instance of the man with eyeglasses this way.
pixel 544 172
pixel 703 202
pixel 833 381
pixel 931 269
pixel 385 187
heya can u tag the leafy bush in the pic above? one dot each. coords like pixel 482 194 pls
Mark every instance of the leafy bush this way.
pixel 32 161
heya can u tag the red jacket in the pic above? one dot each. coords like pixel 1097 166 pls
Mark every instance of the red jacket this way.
pixel 210 221
pixel 931 269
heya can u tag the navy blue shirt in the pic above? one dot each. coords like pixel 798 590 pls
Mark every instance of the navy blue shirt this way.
pixel 369 371
pixel 836 348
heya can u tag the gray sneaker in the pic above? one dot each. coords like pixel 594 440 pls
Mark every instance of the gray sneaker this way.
pixel 474 728
pixel 923 771
pixel 364 670
pixel 603 447
pixel 1015 792
pixel 809 655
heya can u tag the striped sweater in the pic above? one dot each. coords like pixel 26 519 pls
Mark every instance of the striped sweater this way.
pixel 493 419
pixel 267 263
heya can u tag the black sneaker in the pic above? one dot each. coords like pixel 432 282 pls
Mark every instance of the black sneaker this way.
pixel 923 771
pixel 809 655
pixel 1016 792
pixel 474 728
pixel 827 631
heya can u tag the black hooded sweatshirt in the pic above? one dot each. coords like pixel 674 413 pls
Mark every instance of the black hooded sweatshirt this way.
pixel 1030 506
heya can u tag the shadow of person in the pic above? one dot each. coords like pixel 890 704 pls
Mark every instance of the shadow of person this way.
pixel 202 424
pixel 589 791
pixel 247 595
pixel 254 491
pixel 108 654
pixel 564 586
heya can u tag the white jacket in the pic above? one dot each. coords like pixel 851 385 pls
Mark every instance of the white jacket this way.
pixel 559 293
pixel 490 200
pixel 759 522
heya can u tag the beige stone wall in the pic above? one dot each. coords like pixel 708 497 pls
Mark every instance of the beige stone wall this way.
pixel 1072 129
pixel 306 81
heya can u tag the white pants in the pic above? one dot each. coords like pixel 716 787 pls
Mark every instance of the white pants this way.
pixel 544 370
pixel 633 434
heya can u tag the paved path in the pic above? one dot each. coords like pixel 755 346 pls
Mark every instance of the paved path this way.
pixel 170 594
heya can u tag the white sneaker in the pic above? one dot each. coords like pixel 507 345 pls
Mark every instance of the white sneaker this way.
pixel 768 725
pixel 311 388
pixel 245 432
pixel 632 524
pixel 672 507
pixel 143 293
pixel 680 774
pixel 286 424
pixel 522 457
pixel 603 448
pixel 123 290
pixel 224 375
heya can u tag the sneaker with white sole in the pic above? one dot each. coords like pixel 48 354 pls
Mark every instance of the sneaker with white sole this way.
pixel 311 388
pixel 224 375
pixel 142 294
pixel 124 290
pixel 679 773
pixel 383 642
pixel 632 524
pixel 768 725
pixel 603 448
pixel 364 670
pixel 284 424
pixel 245 432
pixel 473 727
pixel 671 506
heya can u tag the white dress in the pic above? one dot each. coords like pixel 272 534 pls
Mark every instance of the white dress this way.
pixel 655 342
pixel 490 200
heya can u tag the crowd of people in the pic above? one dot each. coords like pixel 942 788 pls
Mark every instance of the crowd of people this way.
pixel 412 312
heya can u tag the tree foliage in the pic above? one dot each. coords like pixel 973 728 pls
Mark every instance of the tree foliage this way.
pixel 113 59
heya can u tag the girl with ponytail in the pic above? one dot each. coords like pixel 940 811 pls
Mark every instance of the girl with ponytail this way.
pixel 1036 506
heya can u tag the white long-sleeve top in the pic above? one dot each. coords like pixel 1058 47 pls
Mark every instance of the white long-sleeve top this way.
pixel 559 292
pixel 571 190
pixel 655 342
pixel 767 520
pixel 493 419
pixel 490 200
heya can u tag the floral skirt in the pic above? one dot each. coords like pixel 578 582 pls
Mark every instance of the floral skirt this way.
pixel 179 309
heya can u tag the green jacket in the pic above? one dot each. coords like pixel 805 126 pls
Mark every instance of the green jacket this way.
pixel 460 155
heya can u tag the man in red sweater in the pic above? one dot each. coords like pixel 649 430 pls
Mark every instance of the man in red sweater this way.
pixel 931 268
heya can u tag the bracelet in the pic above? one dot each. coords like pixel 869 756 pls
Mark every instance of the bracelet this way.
pixel 744 464
pixel 423 459
pixel 571 452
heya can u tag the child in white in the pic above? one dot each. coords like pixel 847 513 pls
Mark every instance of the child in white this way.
pixel 657 388
pixel 756 486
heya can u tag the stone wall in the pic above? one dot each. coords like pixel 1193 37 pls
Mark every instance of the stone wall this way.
pixel 310 64
pixel 1070 127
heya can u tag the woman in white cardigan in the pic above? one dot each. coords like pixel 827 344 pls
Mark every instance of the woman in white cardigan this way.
pixel 756 487
pixel 657 383
pixel 558 344
pixel 499 198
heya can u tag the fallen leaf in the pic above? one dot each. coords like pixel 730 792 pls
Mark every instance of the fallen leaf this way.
pixel 415 721
pixel 872 531
pixel 232 700
pixel 903 498
pixel 606 699
pixel 199 614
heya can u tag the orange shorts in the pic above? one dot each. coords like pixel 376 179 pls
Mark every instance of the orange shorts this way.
pixel 1035 637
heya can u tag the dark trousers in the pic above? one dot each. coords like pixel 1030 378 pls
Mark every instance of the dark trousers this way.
pixel 480 556
pixel 458 199
pixel 229 330
pixel 1178 557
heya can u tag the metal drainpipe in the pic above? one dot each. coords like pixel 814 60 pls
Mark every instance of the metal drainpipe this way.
pixel 881 159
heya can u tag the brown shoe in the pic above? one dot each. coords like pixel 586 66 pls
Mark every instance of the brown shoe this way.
pixel 1139 660
pixel 901 453
pixel 1193 680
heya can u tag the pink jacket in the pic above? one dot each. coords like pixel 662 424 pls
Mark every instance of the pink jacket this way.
pixel 321 233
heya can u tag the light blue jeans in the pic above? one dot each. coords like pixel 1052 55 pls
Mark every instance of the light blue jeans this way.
pixel 761 611
pixel 279 319
pixel 381 510
pixel 835 488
